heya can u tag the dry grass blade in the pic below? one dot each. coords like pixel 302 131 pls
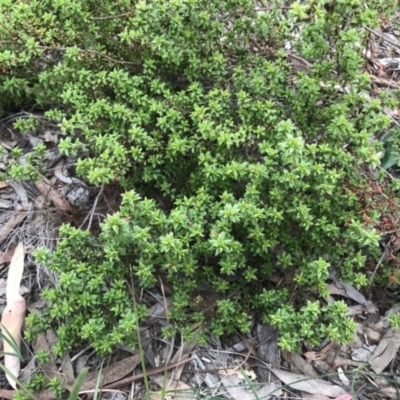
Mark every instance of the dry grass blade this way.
pixel 9 226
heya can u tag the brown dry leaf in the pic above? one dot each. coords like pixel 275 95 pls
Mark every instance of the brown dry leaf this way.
pixel 8 254
pixel 56 197
pixel 49 369
pixel 49 136
pixel 299 364
pixel 182 353
pixel 307 384
pixel 22 194
pixel 8 143
pixel 314 355
pixel 112 373
pixel 40 202
pixel 249 345
pixel 186 348
pixel 67 368
pixel 372 335
pixel 337 359
pixel 9 226
pixel 45 394
pixel 7 394
pixel 346 290
pixel 3 185
pixel 157 312
pixel 386 350
pixel 319 355
pixel 28 371
pixel 362 309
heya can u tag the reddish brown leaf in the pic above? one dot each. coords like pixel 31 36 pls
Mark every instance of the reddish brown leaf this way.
pixel 56 197
pixel 8 254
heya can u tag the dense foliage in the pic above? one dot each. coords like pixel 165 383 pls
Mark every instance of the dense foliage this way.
pixel 240 168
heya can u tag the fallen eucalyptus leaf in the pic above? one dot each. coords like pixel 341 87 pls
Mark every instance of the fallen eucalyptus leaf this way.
pixel 13 316
pixel 12 321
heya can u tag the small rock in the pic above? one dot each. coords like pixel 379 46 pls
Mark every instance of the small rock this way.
pixel 77 196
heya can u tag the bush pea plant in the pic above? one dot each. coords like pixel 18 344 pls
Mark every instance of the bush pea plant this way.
pixel 238 167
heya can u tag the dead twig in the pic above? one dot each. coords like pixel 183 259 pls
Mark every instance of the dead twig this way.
pixel 91 214
pixel 91 51
pixel 95 205
pixel 383 81
pixel 382 259
pixel 127 14
pixel 300 59
pixel 383 37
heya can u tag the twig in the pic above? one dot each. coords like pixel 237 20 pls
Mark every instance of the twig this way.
pixel 95 205
pixel 383 256
pixel 298 58
pixel 93 52
pixel 393 119
pixel 113 16
pixel 392 178
pixel 384 82
pixel 138 377
pixel 380 35
pixel 76 356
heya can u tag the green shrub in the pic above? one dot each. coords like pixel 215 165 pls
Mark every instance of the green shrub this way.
pixel 237 167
